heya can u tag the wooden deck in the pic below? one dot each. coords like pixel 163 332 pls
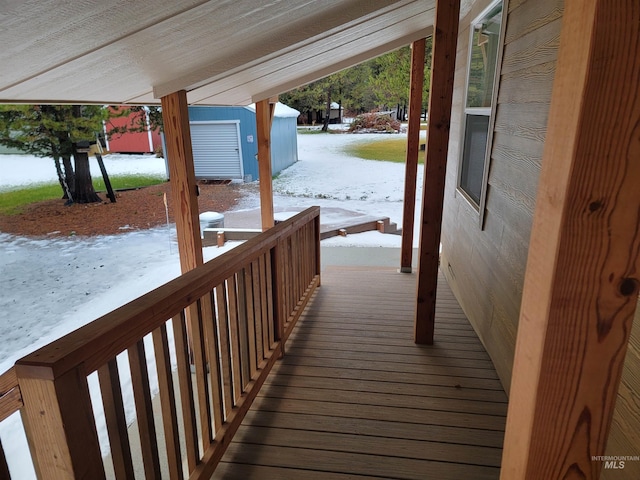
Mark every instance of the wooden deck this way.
pixel 355 397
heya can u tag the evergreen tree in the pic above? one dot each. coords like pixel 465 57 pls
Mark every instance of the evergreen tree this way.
pixel 380 83
pixel 60 132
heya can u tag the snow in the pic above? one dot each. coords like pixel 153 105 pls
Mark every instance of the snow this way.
pixel 52 286
pixel 281 110
pixel 20 170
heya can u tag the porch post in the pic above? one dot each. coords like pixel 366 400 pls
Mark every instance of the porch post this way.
pixel 583 272
pixel 413 147
pixel 443 64
pixel 264 120
pixel 184 190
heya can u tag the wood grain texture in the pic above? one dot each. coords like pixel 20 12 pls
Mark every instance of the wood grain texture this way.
pixel 264 118
pixel 175 116
pixel 336 400
pixel 416 83
pixel 58 421
pixel 144 411
pixel 440 97
pixel 168 402
pixel 582 283
pixel 187 401
pixel 530 16
pixel 116 421
pixel 538 47
pixel 10 397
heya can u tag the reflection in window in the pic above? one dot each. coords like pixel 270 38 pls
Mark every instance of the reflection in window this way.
pixel 483 59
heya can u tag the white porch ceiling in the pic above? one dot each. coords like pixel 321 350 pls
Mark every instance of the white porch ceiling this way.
pixel 224 52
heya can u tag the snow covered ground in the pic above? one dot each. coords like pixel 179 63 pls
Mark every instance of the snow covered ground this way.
pixel 52 286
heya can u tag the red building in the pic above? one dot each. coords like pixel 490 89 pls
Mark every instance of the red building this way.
pixel 132 142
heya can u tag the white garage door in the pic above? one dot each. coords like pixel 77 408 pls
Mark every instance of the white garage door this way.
pixel 216 150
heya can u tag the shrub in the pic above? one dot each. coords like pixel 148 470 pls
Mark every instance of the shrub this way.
pixel 374 123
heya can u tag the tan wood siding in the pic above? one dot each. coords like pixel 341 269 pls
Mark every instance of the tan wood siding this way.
pixel 485 267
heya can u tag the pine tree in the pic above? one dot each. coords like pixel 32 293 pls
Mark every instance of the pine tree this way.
pixel 60 132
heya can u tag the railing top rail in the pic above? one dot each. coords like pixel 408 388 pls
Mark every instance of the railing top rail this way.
pixel 10 398
pixel 102 339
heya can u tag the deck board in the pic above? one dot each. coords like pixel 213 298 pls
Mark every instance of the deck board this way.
pixel 355 397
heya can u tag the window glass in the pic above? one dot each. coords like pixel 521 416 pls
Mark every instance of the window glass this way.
pixel 483 61
pixel 484 54
pixel 475 143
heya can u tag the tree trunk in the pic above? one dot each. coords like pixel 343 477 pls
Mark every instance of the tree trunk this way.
pixel 84 192
pixel 325 125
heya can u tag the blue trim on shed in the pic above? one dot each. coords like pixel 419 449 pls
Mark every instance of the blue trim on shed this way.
pixel 284 141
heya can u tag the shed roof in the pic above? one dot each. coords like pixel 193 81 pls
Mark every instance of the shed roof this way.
pixel 281 110
pixel 222 52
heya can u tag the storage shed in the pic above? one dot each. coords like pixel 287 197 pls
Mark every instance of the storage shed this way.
pixel 224 141
pixel 148 141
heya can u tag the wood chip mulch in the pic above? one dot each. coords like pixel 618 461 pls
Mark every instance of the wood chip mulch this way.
pixel 134 210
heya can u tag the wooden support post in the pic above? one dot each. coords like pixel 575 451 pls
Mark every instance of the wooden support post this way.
pixel 582 280
pixel 413 147
pixel 175 115
pixel 440 98
pixel 264 119
pixel 58 420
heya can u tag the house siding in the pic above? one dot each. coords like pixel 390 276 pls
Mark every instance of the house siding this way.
pixel 486 266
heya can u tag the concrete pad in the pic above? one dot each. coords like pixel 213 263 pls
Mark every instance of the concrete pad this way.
pixel 363 256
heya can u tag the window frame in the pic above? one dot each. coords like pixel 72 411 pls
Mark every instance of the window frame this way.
pixel 490 111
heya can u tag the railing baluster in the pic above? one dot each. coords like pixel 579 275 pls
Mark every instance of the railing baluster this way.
pixel 213 353
pixel 297 262
pixel 225 350
pixel 246 304
pixel 202 377
pixel 168 402
pixel 251 326
pixel 234 339
pixel 116 421
pixel 287 279
pixel 316 242
pixel 144 410
pixel 257 310
pixel 243 339
pixel 270 297
pixel 278 284
pixel 186 389
pixel 264 316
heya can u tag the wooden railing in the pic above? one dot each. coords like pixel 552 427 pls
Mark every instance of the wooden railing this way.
pixel 227 320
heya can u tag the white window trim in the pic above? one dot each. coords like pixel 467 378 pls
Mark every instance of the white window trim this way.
pixel 491 111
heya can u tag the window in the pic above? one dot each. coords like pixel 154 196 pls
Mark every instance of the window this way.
pixel 484 54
